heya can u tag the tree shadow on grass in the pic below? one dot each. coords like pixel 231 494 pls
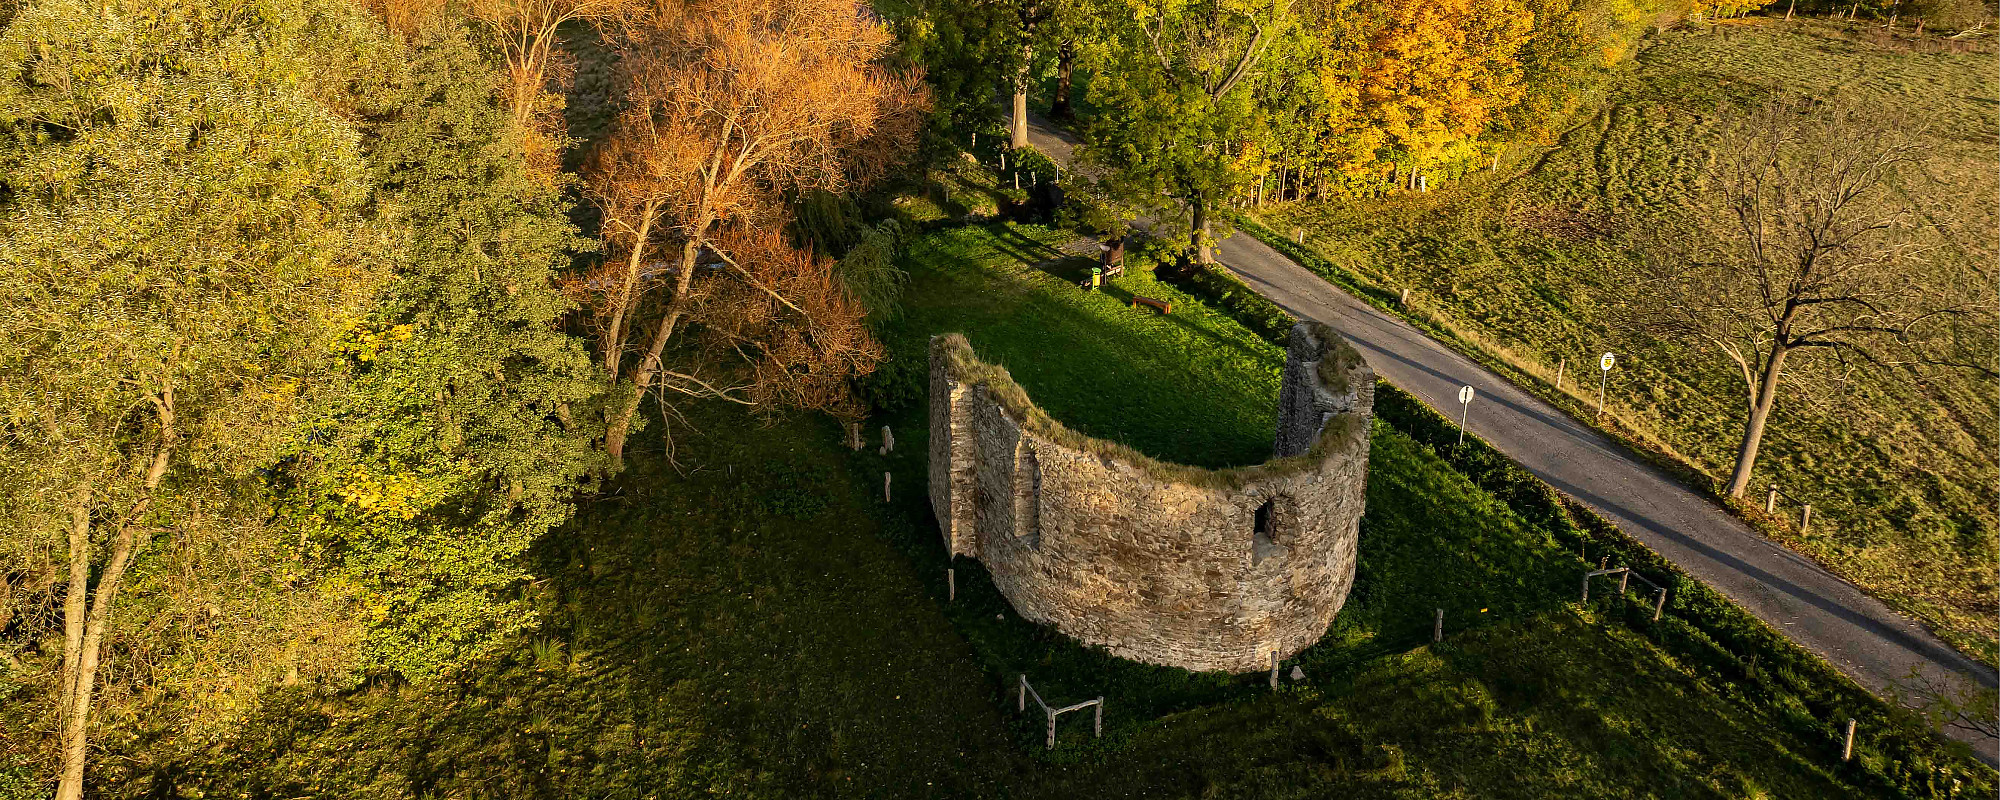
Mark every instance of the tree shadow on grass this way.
pixel 738 629
pixel 1007 239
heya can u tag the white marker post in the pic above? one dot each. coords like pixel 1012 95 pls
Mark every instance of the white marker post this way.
pixel 1465 407
pixel 1604 374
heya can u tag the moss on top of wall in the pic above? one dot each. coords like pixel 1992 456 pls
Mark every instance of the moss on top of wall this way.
pixel 964 365
pixel 1337 357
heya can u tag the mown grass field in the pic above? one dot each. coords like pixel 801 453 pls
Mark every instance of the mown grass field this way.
pixel 1898 466
pixel 757 622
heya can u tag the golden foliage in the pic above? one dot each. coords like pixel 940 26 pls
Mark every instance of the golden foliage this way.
pixel 1442 68
pixel 405 17
pixel 804 338
pixel 730 106
pixel 525 32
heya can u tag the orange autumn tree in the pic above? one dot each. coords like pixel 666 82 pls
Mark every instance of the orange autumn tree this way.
pixel 732 105
pixel 525 31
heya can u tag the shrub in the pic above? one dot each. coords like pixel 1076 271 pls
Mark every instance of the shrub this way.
pixel 1239 301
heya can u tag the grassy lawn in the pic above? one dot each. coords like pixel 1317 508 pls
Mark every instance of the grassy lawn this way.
pixel 756 621
pixel 1899 468
pixel 1191 386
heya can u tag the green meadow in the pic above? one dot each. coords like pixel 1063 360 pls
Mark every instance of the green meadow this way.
pixel 747 617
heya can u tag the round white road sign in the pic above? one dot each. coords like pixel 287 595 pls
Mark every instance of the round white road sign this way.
pixel 1605 362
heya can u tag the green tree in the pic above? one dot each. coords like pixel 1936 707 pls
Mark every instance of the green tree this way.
pixel 452 451
pixel 179 248
pixel 1181 117
pixel 955 45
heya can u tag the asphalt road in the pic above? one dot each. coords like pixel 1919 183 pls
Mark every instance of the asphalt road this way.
pixel 1873 644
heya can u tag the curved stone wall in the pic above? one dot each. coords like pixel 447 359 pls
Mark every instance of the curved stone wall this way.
pixel 1157 562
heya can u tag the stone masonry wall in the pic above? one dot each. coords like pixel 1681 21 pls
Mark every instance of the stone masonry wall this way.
pixel 1161 563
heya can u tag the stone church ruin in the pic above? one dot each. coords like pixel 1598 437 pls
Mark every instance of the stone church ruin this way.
pixel 1161 563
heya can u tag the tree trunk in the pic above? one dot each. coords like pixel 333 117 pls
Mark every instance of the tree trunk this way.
pixel 1020 122
pixel 642 375
pixel 614 350
pixel 1065 73
pixel 1753 431
pixel 620 425
pixel 1203 251
pixel 75 597
pixel 80 673
pixel 76 730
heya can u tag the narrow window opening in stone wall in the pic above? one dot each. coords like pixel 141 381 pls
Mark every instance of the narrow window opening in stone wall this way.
pixel 1028 498
pixel 1268 527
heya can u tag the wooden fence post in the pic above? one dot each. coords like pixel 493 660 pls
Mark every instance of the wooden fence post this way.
pixel 1274 669
pixel 885 487
pixel 1437 631
pixel 1623 577
pixel 1771 500
pixel 1847 750
pixel 888 441
pixel 1052 731
pixel 1560 367
pixel 1098 726
pixel 1806 520
pixel 1021 702
pixel 1660 604
pixel 950 584
pixel 1586 586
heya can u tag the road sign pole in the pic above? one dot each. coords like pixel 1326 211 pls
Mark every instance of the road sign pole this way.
pixel 1604 375
pixel 1465 407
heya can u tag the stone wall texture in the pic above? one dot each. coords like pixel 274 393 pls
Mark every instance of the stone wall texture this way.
pixel 1160 563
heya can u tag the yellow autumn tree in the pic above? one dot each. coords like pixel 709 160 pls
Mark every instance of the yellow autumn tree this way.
pixel 1439 71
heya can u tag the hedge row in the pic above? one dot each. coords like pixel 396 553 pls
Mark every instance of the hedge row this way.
pixel 1237 299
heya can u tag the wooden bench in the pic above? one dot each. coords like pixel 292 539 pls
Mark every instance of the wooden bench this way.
pixel 1164 306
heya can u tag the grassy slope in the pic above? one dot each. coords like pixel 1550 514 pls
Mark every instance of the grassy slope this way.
pixel 764 625
pixel 1899 469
